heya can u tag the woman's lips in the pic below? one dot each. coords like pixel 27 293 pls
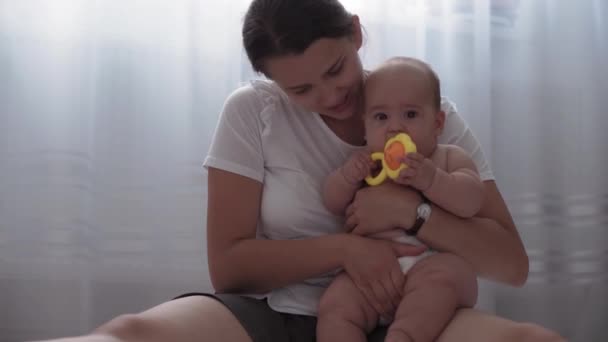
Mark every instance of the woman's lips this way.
pixel 341 106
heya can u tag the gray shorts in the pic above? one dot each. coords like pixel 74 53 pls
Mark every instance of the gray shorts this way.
pixel 263 324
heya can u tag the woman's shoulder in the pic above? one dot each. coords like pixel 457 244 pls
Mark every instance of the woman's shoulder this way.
pixel 453 119
pixel 258 104
pixel 256 93
pixel 253 101
pixel 448 107
pixel 454 127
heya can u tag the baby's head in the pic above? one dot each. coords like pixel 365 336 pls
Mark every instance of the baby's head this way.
pixel 402 95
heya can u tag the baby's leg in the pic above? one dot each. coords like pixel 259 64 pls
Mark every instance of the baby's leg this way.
pixel 435 287
pixel 344 314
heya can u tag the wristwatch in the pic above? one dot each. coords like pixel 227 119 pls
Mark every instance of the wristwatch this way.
pixel 423 212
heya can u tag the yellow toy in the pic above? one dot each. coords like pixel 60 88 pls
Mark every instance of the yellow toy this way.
pixel 395 149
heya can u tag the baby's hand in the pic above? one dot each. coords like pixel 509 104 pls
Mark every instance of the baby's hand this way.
pixel 357 167
pixel 420 172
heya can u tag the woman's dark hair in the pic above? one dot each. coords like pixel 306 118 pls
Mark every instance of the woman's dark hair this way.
pixel 275 28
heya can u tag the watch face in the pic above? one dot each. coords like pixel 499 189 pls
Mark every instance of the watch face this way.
pixel 424 211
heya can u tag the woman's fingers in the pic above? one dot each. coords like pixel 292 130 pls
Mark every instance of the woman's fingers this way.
pixel 405 249
pixel 350 223
pixel 396 287
pixel 383 298
pixel 398 279
pixel 349 210
pixel 370 296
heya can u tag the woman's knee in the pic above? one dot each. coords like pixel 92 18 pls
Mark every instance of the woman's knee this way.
pixel 129 327
pixel 530 332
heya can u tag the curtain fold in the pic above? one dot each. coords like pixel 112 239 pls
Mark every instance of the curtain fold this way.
pixel 107 109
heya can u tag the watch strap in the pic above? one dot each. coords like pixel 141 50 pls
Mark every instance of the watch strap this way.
pixel 413 230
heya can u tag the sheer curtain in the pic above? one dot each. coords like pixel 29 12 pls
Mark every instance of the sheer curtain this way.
pixel 107 110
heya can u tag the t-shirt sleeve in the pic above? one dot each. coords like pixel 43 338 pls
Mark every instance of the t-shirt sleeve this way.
pixel 236 145
pixel 457 132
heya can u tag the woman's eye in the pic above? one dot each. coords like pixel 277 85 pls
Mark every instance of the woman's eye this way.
pixel 410 114
pixel 380 116
pixel 301 91
pixel 335 71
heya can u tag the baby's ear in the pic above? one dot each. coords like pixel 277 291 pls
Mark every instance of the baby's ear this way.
pixel 439 122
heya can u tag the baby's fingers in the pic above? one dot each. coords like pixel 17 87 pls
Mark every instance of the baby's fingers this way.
pixel 412 163
pixel 364 155
pixel 363 170
pixel 415 156
pixel 408 173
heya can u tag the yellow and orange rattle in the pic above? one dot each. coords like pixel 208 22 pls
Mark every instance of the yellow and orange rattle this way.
pixel 395 149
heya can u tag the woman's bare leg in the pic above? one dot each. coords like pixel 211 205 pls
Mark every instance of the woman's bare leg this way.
pixel 475 326
pixel 189 319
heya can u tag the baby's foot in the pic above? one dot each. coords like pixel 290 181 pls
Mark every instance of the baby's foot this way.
pixel 396 335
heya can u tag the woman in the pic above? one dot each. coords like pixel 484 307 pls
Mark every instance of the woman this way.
pixel 274 145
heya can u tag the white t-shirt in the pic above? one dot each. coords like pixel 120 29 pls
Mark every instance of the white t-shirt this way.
pixel 262 135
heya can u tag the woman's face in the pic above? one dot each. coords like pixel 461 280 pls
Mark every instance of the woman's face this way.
pixel 326 78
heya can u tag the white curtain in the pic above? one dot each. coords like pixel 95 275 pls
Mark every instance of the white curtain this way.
pixel 107 110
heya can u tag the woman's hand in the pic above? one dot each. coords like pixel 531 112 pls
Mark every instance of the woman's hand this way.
pixel 380 208
pixel 373 267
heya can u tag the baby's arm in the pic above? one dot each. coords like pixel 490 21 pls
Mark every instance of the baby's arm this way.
pixel 458 189
pixel 342 184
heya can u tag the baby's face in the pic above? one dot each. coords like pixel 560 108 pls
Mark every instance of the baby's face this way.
pixel 399 100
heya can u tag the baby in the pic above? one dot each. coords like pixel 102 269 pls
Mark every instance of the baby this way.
pixel 402 96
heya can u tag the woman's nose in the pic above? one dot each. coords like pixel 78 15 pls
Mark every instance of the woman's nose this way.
pixel 329 94
pixel 328 97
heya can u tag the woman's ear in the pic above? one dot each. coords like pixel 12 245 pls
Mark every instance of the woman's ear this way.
pixel 357 34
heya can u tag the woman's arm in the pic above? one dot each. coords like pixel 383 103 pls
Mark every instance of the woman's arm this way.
pixel 489 241
pixel 238 262
pixel 338 192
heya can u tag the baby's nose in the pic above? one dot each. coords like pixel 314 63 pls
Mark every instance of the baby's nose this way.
pixel 395 126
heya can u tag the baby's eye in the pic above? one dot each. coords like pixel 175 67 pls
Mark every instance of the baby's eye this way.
pixel 380 116
pixel 410 114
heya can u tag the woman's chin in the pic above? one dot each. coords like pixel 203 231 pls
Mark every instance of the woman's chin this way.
pixel 344 111
pixel 344 114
